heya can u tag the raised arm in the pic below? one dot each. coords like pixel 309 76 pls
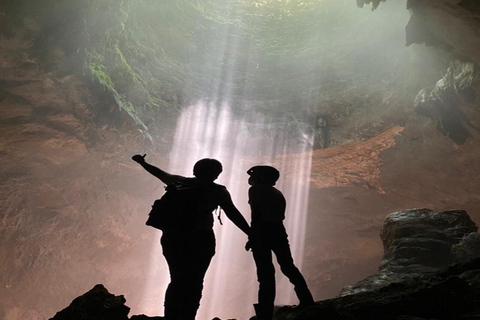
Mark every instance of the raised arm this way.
pixel 234 215
pixel 164 176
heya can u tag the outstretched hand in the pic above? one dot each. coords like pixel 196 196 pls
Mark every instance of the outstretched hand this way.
pixel 139 158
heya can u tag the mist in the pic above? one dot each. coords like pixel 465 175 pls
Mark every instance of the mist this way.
pixel 322 90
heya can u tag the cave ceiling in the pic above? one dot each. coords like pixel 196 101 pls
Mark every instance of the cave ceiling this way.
pixel 293 60
pixel 153 58
pixel 289 59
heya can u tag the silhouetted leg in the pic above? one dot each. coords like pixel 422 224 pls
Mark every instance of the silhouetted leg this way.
pixel 173 250
pixel 188 257
pixel 266 278
pixel 203 249
pixel 281 248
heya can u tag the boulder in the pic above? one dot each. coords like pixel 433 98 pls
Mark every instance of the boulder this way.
pixel 430 270
pixel 421 241
pixel 96 304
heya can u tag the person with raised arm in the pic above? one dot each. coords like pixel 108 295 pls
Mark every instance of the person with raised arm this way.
pixel 189 250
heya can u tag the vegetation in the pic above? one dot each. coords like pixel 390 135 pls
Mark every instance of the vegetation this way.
pixel 152 57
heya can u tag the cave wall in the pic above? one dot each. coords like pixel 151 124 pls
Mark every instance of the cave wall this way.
pixel 68 190
pixel 424 168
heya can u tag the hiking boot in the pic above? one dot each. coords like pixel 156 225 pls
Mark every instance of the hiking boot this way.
pixel 263 312
pixel 304 305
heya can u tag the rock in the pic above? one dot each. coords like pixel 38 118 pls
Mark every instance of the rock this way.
pixel 415 280
pixel 441 295
pixel 375 3
pixel 420 241
pixel 440 103
pixel 96 304
pixel 427 231
pixel 430 271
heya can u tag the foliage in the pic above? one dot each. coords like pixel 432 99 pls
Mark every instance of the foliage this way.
pixel 110 43
pixel 152 57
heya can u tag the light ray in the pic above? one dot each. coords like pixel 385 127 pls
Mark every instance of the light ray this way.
pixel 206 130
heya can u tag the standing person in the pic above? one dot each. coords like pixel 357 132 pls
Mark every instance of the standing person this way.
pixel 189 252
pixel 268 235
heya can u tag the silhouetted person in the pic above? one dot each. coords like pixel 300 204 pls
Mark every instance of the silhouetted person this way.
pixel 268 235
pixel 189 252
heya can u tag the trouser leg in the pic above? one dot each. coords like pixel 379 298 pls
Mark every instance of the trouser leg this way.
pixel 202 252
pixel 173 252
pixel 282 251
pixel 266 278
pixel 188 259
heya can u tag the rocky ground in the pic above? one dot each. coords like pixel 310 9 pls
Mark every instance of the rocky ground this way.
pixel 430 270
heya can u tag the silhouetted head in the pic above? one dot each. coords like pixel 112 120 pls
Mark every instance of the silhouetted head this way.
pixel 207 169
pixel 265 175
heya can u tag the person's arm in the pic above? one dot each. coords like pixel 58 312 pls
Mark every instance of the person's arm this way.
pixel 233 214
pixel 255 197
pixel 252 201
pixel 164 176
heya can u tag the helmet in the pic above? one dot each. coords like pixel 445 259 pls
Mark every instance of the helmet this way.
pixel 264 174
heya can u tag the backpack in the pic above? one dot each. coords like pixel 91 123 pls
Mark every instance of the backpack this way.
pixel 179 209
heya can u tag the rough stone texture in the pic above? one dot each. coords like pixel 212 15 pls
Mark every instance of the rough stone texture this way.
pixel 446 294
pixel 415 280
pixel 375 3
pixel 452 100
pixel 352 163
pixel 56 153
pixel 444 21
pixel 438 24
pixel 420 241
pixel 441 103
pixel 96 304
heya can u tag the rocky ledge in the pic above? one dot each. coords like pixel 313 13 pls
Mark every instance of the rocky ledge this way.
pixel 430 270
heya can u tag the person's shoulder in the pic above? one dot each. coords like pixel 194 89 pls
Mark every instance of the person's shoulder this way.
pixel 220 193
pixel 276 190
pixel 182 182
pixel 187 180
pixel 259 191
pixel 219 188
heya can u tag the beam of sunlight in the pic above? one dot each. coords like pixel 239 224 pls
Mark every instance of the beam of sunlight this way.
pixel 206 130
